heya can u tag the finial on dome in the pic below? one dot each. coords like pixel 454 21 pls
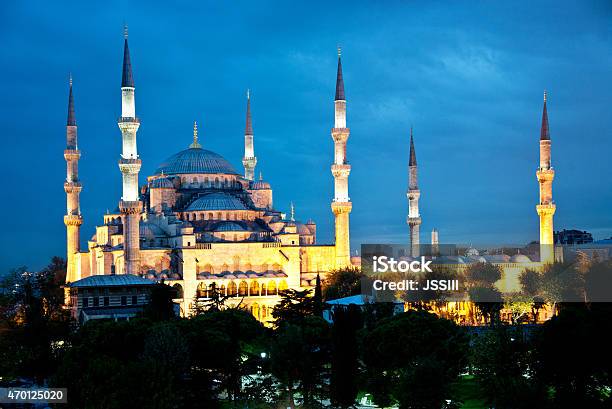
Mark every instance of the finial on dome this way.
pixel 339 51
pixel 260 175
pixel 195 144
pixel 292 212
pixel 248 93
pixel 544 95
pixel 70 78
pixel 125 31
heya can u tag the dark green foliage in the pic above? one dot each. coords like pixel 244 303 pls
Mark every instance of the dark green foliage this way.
pixel 342 283
pixel 402 348
pixel 161 307
pixel 299 354
pixel 294 306
pixel 345 369
pixel 502 365
pixel 572 356
pixel 488 300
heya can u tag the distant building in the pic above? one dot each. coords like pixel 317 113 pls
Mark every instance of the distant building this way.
pixel 116 297
pixel 360 300
pixel 572 237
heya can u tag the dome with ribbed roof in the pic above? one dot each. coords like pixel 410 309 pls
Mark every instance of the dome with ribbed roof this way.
pixel 216 201
pixel 195 160
pixel 161 183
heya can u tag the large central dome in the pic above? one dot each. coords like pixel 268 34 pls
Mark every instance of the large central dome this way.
pixel 195 160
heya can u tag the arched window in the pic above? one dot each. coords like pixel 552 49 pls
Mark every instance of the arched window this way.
pixel 254 288
pixel 264 312
pixel 272 288
pixel 201 291
pixel 282 286
pixel 264 289
pixel 219 216
pixel 201 216
pixel 222 290
pixel 216 182
pixel 243 289
pixel 206 182
pixel 255 310
pixel 232 289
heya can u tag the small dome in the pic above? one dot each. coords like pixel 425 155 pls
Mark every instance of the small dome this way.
pixel 217 201
pixel 195 160
pixel 519 258
pixel 161 183
pixel 229 226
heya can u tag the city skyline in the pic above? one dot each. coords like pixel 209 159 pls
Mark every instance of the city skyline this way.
pixel 461 134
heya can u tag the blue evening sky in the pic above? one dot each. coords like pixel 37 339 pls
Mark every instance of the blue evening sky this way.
pixel 467 75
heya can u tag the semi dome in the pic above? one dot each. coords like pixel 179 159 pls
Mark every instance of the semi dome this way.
pixel 195 160
pixel 229 226
pixel 216 201
pixel 161 183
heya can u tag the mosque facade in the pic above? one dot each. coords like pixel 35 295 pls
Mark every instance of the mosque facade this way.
pixel 199 224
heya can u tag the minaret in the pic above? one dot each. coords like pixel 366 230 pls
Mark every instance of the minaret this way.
pixel 341 205
pixel 546 208
pixel 414 218
pixel 129 164
pixel 72 187
pixel 249 161
pixel 435 243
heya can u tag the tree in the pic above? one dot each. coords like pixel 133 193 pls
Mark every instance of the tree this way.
pixel 318 298
pixel 342 283
pixel 501 363
pixel 488 300
pixel 520 305
pixel 160 307
pixel 345 356
pixel 299 356
pixel 483 274
pixel 294 305
pixel 580 378
pixel 404 347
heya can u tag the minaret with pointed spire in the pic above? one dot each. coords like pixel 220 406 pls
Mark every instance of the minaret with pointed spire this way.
pixel 249 160
pixel 546 207
pixel 72 187
pixel 414 217
pixel 435 243
pixel 341 204
pixel 129 164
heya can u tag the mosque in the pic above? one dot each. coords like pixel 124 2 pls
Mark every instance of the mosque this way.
pixel 199 224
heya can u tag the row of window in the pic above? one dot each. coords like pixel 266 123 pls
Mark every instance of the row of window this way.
pixel 105 301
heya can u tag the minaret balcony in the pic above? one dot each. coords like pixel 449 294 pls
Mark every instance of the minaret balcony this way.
pixel 130 166
pixel 128 119
pixel 341 171
pixel 546 209
pixel 340 135
pixel 73 187
pixel 73 220
pixel 341 207
pixel 72 154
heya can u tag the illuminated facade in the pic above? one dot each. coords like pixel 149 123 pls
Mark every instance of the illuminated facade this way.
pixel 199 224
